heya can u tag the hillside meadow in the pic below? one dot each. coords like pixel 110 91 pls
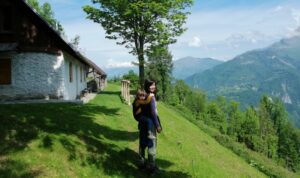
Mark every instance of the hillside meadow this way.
pixel 100 139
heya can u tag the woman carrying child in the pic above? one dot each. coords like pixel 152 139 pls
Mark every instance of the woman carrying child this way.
pixel 145 112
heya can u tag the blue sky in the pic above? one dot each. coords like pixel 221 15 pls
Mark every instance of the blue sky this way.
pixel 220 29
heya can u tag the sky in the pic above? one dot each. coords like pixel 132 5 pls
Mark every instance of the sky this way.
pixel 220 29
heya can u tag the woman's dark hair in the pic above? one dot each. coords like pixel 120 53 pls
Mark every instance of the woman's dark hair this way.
pixel 147 85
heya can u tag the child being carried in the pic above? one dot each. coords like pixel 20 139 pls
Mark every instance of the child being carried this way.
pixel 139 107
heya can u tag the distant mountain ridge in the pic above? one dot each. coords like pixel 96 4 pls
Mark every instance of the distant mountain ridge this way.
pixel 182 68
pixel 273 71
pixel 188 66
pixel 119 71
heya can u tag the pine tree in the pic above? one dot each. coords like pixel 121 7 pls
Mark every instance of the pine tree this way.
pixel 250 128
pixel 195 101
pixel 215 117
pixel 267 130
pixel 181 90
pixel 235 120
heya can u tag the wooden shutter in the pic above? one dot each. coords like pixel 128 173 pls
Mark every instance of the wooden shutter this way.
pixel 5 71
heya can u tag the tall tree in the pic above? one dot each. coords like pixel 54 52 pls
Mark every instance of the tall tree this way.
pixel 235 120
pixel 288 147
pixel 140 24
pixel 75 42
pixel 181 90
pixel 215 117
pixel 47 13
pixel 196 101
pixel 267 130
pixel 159 69
pixel 250 128
pixel 222 103
pixel 288 136
pixel 133 78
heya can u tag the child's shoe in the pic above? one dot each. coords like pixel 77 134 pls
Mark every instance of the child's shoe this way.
pixel 151 136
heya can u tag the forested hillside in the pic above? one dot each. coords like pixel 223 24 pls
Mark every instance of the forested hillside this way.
pixel 273 71
pixel 263 128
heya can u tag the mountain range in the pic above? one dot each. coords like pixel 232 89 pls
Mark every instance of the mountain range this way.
pixel 273 71
pixel 182 68
pixel 185 67
pixel 119 71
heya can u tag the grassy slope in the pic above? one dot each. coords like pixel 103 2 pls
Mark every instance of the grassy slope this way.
pixel 100 139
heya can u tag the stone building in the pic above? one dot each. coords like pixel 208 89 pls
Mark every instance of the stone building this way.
pixel 35 61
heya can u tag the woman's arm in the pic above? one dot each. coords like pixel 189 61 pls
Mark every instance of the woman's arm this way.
pixel 154 114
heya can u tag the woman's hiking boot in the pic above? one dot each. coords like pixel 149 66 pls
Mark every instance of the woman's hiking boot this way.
pixel 142 167
pixel 142 164
pixel 153 170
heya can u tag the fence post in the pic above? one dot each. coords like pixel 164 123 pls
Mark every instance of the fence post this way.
pixel 125 91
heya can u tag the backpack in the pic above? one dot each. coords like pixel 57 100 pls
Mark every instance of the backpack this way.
pixel 136 111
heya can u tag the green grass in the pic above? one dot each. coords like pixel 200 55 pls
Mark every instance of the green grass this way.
pixel 100 139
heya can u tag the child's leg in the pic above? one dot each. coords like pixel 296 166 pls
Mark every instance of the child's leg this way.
pixel 150 127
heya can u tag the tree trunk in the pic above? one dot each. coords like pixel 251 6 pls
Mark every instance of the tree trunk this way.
pixel 141 69
pixel 139 47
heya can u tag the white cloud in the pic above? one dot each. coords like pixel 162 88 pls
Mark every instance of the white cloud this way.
pixel 249 37
pixel 116 64
pixel 297 30
pixel 278 9
pixel 296 16
pixel 195 42
pixel 94 44
pixel 228 32
pixel 293 32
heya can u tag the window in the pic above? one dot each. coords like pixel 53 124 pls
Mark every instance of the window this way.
pixel 5 71
pixel 84 74
pixel 71 72
pixel 80 74
pixel 6 19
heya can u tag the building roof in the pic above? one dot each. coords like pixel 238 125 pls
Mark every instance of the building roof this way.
pixel 68 47
pixel 97 69
pixel 8 47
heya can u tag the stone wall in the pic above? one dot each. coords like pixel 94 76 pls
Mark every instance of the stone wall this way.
pixel 34 76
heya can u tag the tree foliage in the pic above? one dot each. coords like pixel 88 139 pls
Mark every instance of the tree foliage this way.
pixel 75 42
pixel 47 13
pixel 181 90
pixel 159 69
pixel 195 101
pixel 138 24
pixel 133 78
pixel 250 129
pixel 265 128
pixel 235 120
